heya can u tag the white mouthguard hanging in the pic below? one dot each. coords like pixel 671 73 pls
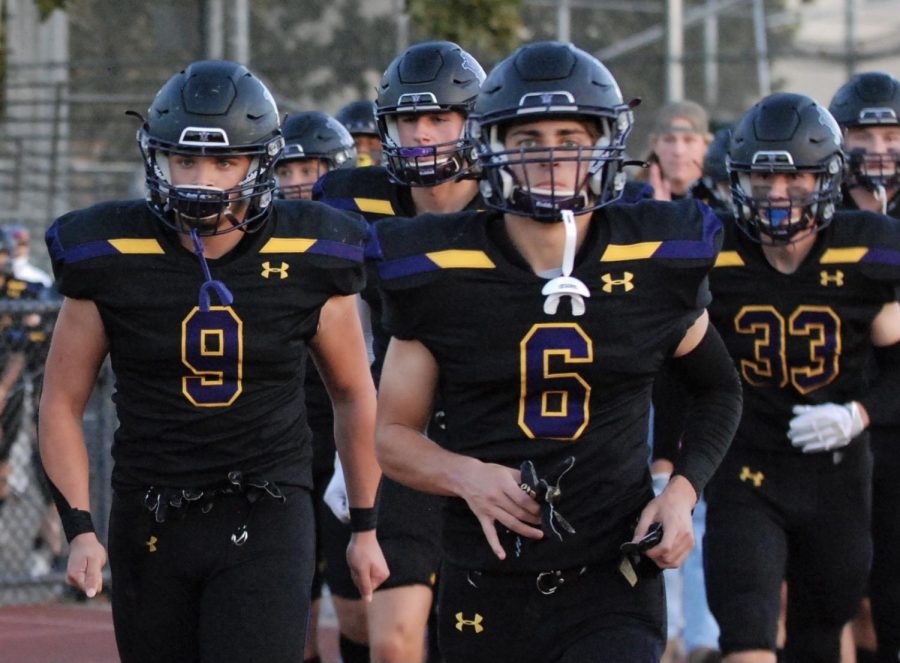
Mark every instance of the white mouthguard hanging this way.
pixel 566 285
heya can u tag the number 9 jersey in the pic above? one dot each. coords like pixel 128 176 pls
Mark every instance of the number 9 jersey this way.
pixel 803 338
pixel 202 393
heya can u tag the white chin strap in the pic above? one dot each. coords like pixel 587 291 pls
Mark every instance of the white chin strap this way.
pixel 566 285
pixel 881 197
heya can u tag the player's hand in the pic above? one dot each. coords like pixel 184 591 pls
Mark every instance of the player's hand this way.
pixel 672 509
pixel 335 495
pixel 825 427
pixel 87 557
pixel 494 495
pixel 367 565
pixel 661 190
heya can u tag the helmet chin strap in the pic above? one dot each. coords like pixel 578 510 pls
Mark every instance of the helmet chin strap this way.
pixel 881 197
pixel 566 285
pixel 222 291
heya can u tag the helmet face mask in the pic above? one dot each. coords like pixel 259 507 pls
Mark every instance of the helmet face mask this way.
pixel 314 138
pixel 789 135
pixel 427 78
pixel 212 109
pixel 550 81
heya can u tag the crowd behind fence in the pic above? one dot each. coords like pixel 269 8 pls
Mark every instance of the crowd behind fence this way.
pixel 32 546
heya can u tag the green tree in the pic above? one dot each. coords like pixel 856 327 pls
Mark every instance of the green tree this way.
pixel 489 29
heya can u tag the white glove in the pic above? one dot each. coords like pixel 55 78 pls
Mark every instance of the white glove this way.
pixel 335 495
pixel 825 427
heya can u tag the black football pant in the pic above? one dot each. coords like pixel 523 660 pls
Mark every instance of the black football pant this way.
pixel 595 618
pixel 183 592
pixel 884 590
pixel 786 516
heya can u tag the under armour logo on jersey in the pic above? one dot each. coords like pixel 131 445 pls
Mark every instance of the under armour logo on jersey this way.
pixel 626 282
pixel 755 477
pixel 836 279
pixel 151 544
pixel 474 623
pixel 282 270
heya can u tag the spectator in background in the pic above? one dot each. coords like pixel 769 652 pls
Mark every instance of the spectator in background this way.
pixel 677 147
pixel 22 267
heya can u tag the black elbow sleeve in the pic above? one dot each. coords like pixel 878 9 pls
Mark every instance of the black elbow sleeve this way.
pixel 882 402
pixel 710 379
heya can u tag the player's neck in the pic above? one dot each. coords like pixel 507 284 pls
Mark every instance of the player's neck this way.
pixel 444 198
pixel 542 244
pixel 866 200
pixel 214 246
pixel 787 258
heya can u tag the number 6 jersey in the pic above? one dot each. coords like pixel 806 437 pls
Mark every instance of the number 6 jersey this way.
pixel 803 338
pixel 519 383
pixel 199 394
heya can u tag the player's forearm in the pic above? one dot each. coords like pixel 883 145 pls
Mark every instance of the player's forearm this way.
pixel 15 364
pixel 63 451
pixel 354 424
pixel 412 459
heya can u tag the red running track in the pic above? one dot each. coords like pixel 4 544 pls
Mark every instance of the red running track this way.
pixel 81 633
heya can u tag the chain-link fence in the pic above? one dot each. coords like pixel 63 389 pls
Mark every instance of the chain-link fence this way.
pixel 32 546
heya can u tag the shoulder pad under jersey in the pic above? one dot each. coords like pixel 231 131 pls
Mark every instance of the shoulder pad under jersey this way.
pixel 368 191
pixel 314 229
pixel 867 239
pixel 416 250
pixel 683 233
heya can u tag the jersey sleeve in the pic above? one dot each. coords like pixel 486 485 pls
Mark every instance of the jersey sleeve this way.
pixel 333 243
pixel 413 253
pixel 80 241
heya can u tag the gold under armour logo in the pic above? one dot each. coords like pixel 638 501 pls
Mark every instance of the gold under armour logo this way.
pixel 474 623
pixel 282 271
pixel 626 282
pixel 755 477
pixel 836 279
pixel 151 543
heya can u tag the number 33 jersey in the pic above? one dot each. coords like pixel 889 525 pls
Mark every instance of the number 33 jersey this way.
pixel 199 394
pixel 803 338
pixel 519 383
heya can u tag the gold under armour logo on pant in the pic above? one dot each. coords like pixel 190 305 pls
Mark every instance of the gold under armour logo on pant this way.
pixel 474 623
pixel 755 477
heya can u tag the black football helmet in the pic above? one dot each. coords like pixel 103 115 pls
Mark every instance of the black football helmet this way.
pixel 359 118
pixel 431 77
pixel 871 99
pixel 212 108
pixel 315 135
pixel 550 80
pixel 785 133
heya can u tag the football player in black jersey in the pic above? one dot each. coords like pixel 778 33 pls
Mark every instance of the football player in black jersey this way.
pixel 359 119
pixel 542 323
pixel 423 101
pixel 803 296
pixel 867 108
pixel 314 144
pixel 206 297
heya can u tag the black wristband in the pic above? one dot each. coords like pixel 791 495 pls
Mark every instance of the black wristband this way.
pixel 76 522
pixel 363 520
